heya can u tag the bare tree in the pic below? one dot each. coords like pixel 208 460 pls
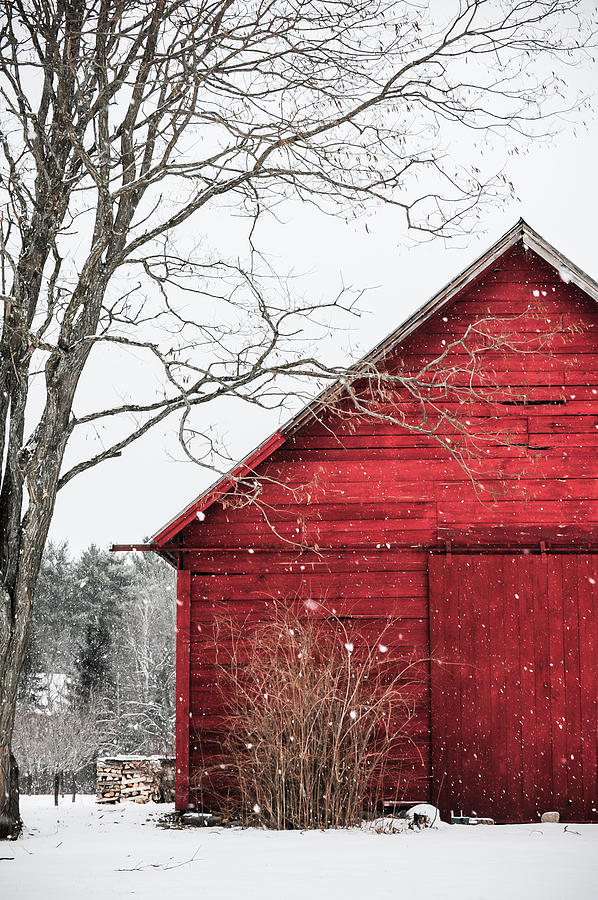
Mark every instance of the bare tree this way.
pixel 125 124
pixel 56 739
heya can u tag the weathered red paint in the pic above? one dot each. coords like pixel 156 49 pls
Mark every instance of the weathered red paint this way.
pixel 375 500
pixel 514 698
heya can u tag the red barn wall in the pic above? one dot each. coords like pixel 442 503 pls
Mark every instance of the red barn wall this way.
pixel 375 498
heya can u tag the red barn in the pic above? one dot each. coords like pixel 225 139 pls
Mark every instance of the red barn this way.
pixel 496 574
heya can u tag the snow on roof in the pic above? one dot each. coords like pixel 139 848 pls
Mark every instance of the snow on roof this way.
pixel 133 757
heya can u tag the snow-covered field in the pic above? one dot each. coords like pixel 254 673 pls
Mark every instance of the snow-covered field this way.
pixel 85 851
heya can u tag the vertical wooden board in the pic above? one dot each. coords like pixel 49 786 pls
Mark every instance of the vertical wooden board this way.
pixel 512 746
pixel 497 671
pixel 484 575
pixel 456 626
pixel 587 588
pixel 445 685
pixel 558 709
pixel 183 708
pixel 439 710
pixel 572 686
pixel 541 629
pixel 528 701
pixel 463 575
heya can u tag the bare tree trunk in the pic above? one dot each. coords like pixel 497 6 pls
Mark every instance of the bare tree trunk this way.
pixel 56 787
pixel 10 820
pixel 23 558
pixel 13 643
pixel 73 786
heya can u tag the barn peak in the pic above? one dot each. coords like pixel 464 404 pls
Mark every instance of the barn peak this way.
pixel 521 232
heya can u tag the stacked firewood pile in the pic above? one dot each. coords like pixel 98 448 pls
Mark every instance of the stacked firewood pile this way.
pixel 108 781
pixel 135 778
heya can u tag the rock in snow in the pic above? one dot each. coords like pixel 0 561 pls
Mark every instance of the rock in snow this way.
pixel 550 817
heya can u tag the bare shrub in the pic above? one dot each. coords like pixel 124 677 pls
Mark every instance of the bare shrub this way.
pixel 56 741
pixel 313 717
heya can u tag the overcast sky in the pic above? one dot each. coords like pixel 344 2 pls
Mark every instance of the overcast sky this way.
pixel 130 498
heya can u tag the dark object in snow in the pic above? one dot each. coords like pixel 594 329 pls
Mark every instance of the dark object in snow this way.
pixel 423 815
pixel 178 820
pixel 201 820
pixel 470 535
pixel 471 820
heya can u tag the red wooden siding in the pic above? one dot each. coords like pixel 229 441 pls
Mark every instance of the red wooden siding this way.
pixel 370 500
pixel 369 606
pixel 514 693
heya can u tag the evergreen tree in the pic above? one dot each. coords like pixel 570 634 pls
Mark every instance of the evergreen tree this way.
pixel 94 663
pixel 102 586
pixel 52 637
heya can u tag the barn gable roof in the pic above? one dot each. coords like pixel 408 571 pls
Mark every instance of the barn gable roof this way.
pixel 521 231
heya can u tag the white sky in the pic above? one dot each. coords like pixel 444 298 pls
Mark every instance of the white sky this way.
pixel 130 498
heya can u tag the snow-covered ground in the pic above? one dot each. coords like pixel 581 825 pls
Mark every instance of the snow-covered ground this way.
pixel 86 851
